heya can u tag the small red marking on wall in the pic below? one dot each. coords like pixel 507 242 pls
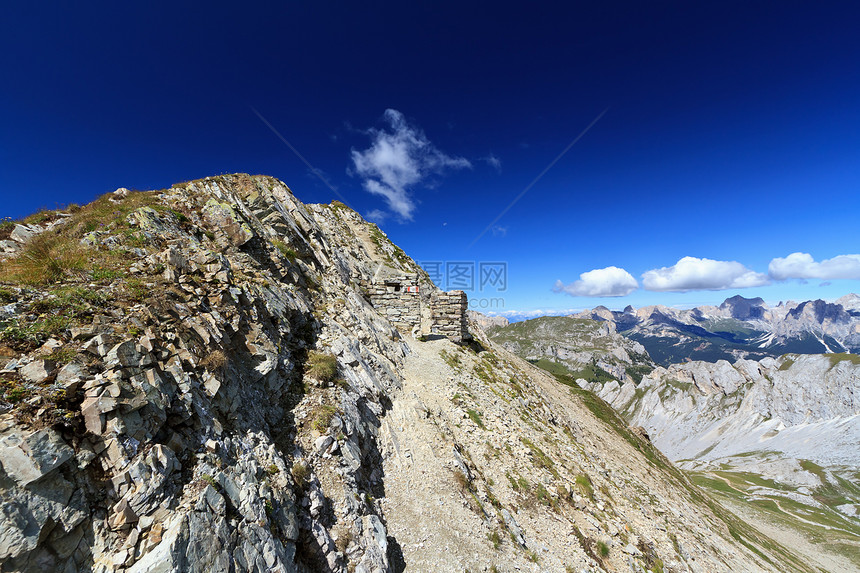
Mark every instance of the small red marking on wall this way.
pixel 412 289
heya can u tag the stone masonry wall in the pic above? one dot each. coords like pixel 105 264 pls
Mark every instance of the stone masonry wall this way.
pixel 398 299
pixel 448 315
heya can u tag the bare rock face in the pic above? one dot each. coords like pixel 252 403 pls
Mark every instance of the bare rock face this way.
pixel 225 397
pixel 728 409
pixel 29 457
pixel 790 426
pixel 37 371
pixel 189 419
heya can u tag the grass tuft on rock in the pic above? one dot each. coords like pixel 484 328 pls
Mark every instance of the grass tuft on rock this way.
pixel 321 366
pixel 323 417
pixel 46 258
pixel 301 474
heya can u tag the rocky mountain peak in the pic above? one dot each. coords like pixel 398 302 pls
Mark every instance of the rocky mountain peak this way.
pixel 819 311
pixel 850 302
pixel 744 308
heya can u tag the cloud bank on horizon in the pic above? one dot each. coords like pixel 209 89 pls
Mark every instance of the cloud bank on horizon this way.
pixel 398 159
pixel 696 274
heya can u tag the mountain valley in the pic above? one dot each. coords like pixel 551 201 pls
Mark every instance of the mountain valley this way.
pixel 774 439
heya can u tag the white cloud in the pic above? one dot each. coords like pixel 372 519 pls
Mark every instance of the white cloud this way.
pixel 400 158
pixel 691 273
pixel 611 281
pixel 493 162
pixel 803 266
pixel 376 215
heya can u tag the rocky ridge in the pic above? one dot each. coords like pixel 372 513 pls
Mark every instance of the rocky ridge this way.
pixel 194 380
pixel 578 346
pixel 194 431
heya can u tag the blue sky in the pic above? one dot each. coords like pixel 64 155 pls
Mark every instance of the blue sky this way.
pixel 728 138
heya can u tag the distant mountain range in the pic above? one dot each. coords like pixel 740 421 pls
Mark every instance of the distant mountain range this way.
pixel 738 328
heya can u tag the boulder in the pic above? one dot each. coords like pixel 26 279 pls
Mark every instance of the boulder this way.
pixel 98 345
pixel 128 354
pixel 28 457
pixel 123 516
pixel 37 371
pixel 10 246
pixel 71 376
pixel 22 233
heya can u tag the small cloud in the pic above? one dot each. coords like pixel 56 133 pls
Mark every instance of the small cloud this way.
pixel 803 266
pixel 376 216
pixel 399 159
pixel 611 281
pixel 493 162
pixel 499 231
pixel 691 273
pixel 825 284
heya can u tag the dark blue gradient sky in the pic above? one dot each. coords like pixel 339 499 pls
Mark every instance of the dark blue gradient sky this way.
pixel 732 130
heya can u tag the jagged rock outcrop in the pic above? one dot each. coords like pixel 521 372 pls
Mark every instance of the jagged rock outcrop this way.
pixel 194 380
pixel 12 241
pixel 195 442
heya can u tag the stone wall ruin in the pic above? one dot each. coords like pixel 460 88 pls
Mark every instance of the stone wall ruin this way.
pixel 399 299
